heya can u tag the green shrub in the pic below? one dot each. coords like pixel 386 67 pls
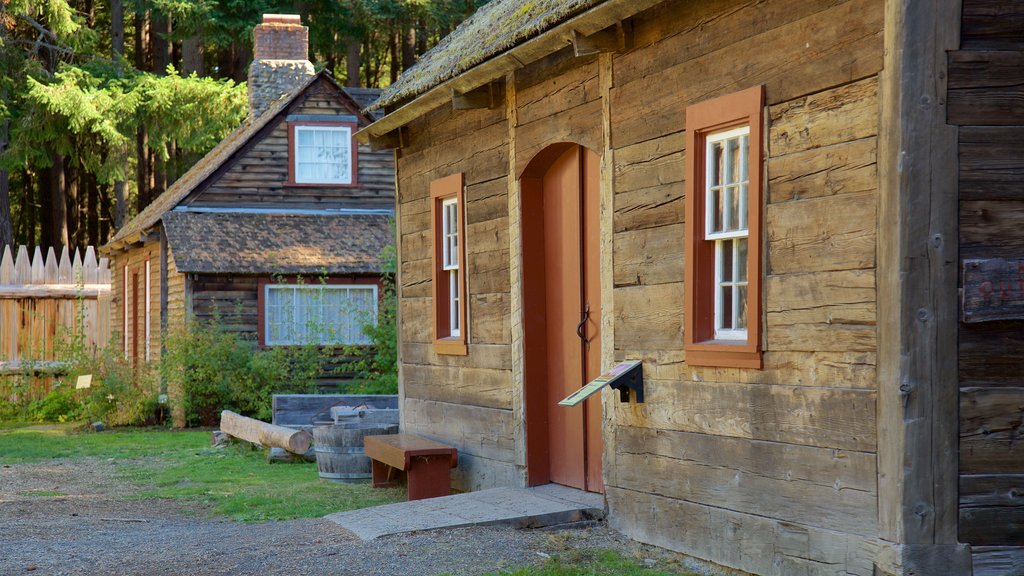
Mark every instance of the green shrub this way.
pixel 60 405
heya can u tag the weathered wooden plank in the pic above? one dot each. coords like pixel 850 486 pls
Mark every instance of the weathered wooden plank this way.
pixel 992 25
pixel 991 163
pixel 823 417
pixel 485 432
pixel 648 256
pixel 825 311
pixel 843 114
pixel 649 318
pixel 581 125
pixel 993 289
pixel 489 318
pixel 651 163
pixel 492 356
pixel 486 201
pixel 821 234
pixel 991 354
pixel 562 86
pixel 488 271
pixel 998 560
pixel 985 88
pixel 479 473
pixel 62 291
pixel 990 430
pixel 812 486
pixel 742 541
pixel 847 47
pixel 468 386
pixel 843 168
pixel 991 229
pixel 992 509
pixel 649 207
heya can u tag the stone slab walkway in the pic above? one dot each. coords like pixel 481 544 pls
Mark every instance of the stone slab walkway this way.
pixel 535 507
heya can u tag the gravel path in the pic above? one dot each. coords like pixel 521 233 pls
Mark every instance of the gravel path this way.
pixel 71 517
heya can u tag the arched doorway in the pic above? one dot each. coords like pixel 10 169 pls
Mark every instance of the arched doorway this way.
pixel 562 314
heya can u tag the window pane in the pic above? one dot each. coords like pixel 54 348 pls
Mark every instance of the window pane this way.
pixel 718 204
pixel 725 249
pixel 304 137
pixel 717 167
pixel 725 293
pixel 453 293
pixel 741 259
pixel 733 160
pixel 733 208
pixel 743 207
pixel 741 321
pixel 744 152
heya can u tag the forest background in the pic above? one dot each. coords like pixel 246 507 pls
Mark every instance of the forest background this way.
pixel 105 103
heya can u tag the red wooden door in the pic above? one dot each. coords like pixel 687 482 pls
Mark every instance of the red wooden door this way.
pixel 573 312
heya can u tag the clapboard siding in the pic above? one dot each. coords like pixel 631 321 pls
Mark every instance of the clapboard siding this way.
pixel 228 301
pixel 259 177
pixel 986 100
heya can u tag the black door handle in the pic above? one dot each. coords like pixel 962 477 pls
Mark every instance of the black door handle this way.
pixel 583 322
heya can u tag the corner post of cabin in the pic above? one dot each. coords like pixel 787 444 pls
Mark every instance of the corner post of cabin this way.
pixel 396 154
pixel 917 304
pixel 515 268
pixel 606 80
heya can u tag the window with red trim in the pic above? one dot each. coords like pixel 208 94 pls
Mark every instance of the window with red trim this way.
pixel 322 153
pixel 449 265
pixel 724 197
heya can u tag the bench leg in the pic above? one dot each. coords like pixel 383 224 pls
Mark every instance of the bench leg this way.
pixel 430 477
pixel 384 476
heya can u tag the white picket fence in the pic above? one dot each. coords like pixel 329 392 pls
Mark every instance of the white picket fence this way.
pixel 43 299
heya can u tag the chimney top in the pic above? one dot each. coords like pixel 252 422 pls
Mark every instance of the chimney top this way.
pixel 282 19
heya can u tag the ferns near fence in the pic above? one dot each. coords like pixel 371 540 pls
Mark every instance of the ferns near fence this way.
pixel 43 300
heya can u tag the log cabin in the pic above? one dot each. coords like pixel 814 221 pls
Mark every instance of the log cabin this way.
pixel 276 232
pixel 774 207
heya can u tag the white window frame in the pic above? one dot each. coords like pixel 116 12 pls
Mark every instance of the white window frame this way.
pixel 450 260
pixel 742 232
pixel 346 177
pixel 323 341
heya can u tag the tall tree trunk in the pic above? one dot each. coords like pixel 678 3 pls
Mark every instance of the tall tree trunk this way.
pixel 120 204
pixel 192 50
pixel 408 48
pixel 117 29
pixel 394 44
pixel 58 232
pixel 92 210
pixel 105 216
pixel 31 210
pixel 72 210
pixel 6 224
pixel 141 41
pixel 352 50
pixel 160 41
pixel 142 174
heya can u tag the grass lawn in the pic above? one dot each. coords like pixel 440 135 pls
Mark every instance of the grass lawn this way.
pixel 594 563
pixel 236 482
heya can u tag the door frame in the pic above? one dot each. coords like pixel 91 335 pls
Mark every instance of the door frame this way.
pixel 530 288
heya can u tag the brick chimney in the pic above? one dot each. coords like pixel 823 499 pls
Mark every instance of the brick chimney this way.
pixel 280 60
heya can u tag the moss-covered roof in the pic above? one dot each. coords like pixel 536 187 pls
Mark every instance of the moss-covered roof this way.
pixel 494 28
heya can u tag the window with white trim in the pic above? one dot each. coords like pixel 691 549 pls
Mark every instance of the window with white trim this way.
pixel 323 155
pixel 297 314
pixel 726 190
pixel 450 260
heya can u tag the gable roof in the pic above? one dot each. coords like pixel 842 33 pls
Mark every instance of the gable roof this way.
pixel 494 28
pixel 222 153
pixel 262 243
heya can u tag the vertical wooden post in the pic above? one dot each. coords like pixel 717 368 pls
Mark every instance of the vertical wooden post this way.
pixel 517 329
pixel 606 81
pixel 917 287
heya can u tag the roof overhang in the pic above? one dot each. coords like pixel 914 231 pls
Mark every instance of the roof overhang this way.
pixel 548 42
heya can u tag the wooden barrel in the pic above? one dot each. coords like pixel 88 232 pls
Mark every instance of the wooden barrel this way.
pixel 340 456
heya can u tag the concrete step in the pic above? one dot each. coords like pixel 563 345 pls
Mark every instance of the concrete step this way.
pixel 536 507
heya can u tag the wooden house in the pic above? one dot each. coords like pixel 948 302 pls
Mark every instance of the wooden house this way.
pixel 277 230
pixel 773 206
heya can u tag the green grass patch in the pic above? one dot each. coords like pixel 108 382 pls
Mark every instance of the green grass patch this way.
pixel 593 562
pixel 236 482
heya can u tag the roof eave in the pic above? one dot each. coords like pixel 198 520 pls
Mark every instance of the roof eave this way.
pixel 548 42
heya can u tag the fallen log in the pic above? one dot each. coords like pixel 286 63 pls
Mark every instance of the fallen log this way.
pixel 258 432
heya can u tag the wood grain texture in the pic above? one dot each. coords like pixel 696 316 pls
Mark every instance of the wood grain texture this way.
pixel 992 509
pixel 831 489
pixel 482 387
pixel 648 256
pixel 998 560
pixel 992 163
pixel 843 114
pixel 483 432
pixel 991 228
pixel 991 430
pixel 992 25
pixel 844 168
pixel 985 88
pixel 822 234
pixel 823 417
pixel 742 541
pixel 991 354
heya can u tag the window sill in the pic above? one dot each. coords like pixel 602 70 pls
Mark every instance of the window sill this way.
pixel 724 354
pixel 291 184
pixel 451 347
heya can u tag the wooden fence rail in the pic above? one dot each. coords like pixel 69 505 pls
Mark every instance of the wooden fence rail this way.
pixel 45 299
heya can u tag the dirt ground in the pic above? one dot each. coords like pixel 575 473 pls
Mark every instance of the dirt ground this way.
pixel 73 517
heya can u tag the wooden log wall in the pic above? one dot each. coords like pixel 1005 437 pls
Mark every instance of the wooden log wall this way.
pixel 258 178
pixel 779 464
pixel 985 90
pixel 134 259
pixel 45 303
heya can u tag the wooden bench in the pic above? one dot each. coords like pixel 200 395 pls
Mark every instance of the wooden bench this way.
pixel 425 462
